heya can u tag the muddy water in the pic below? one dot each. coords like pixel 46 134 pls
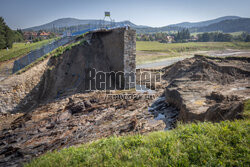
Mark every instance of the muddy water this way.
pixel 163 111
pixel 160 108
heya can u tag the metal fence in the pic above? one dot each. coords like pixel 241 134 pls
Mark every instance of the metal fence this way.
pixel 34 55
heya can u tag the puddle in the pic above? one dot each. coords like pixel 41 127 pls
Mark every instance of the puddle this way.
pixel 239 88
pixel 162 111
pixel 160 117
pixel 144 89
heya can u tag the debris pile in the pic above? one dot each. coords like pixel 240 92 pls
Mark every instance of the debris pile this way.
pixel 208 88
pixel 74 120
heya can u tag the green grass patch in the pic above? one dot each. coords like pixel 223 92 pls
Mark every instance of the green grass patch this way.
pixel 236 33
pixel 202 144
pixel 150 58
pixel 54 54
pixel 246 114
pixel 191 46
pixel 155 51
pixel 21 49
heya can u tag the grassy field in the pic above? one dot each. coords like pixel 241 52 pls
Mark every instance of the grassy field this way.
pixel 55 53
pixel 148 51
pixel 20 49
pixel 236 33
pixel 191 46
pixel 232 33
pixel 203 144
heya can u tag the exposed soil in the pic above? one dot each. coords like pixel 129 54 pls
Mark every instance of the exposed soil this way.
pixel 70 121
pixel 211 89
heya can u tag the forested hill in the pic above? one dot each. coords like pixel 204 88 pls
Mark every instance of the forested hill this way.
pixel 204 23
pixel 228 26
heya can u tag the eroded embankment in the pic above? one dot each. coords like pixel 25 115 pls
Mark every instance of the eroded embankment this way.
pixel 208 89
pixel 66 73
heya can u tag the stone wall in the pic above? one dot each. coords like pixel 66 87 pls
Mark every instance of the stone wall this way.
pixel 129 55
pixel 106 51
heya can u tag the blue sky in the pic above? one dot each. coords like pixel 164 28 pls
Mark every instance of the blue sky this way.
pixel 27 13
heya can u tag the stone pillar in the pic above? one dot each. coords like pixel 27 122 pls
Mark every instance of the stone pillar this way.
pixel 130 58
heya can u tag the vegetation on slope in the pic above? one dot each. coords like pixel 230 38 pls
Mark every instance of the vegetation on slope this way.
pixel 242 24
pixel 203 144
pixel 55 53
pixel 21 49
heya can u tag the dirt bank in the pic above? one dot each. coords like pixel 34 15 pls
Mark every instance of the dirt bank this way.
pixel 206 88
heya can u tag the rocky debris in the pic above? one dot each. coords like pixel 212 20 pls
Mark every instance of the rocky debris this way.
pixel 223 107
pixel 216 70
pixel 204 88
pixel 21 88
pixel 71 121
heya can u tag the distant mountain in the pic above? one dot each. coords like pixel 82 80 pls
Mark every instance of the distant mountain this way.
pixel 204 23
pixel 224 24
pixel 70 22
pixel 228 26
pixel 64 22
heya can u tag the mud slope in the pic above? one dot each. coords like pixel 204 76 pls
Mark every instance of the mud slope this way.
pixel 205 88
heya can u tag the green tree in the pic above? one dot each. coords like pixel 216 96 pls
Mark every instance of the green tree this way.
pixel 2 34
pixel 9 35
pixel 247 38
pixel 205 37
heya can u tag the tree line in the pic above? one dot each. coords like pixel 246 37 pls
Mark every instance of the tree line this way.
pixel 8 36
pixel 161 37
pixel 185 36
pixel 181 36
pixel 222 37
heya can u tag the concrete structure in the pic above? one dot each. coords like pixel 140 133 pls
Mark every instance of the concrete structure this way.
pixel 110 53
